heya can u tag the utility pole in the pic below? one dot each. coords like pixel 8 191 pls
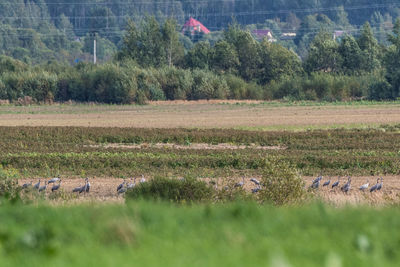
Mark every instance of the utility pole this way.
pixel 94 50
pixel 93 34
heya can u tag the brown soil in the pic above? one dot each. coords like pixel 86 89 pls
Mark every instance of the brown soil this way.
pixel 205 116
pixel 194 146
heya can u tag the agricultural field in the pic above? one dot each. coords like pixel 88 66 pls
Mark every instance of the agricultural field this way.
pixel 218 144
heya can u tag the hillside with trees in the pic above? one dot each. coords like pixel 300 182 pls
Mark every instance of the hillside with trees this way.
pixel 320 50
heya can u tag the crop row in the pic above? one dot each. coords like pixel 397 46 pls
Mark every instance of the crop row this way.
pixel 64 139
pixel 198 162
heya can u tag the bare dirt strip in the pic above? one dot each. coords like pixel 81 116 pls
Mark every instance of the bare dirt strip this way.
pixel 202 115
pixel 105 190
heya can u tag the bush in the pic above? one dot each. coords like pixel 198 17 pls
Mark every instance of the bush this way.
pixel 175 83
pixel 187 190
pixel 380 90
pixel 282 183
pixel 9 188
pixel 208 86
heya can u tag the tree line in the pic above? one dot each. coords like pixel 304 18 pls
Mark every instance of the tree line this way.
pixel 154 64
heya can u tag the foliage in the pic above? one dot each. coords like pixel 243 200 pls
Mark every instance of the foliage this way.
pixel 95 235
pixel 283 184
pixel 9 188
pixel 187 190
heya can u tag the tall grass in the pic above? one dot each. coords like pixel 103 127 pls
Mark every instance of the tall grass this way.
pixel 235 234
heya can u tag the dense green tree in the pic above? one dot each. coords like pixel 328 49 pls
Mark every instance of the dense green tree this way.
pixel 370 47
pixel 247 49
pixel 173 47
pixel 352 56
pixel 199 57
pixel 225 57
pixel 277 61
pixel 323 54
pixel 392 61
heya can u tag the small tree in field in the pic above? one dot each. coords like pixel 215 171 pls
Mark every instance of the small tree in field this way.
pixel 282 183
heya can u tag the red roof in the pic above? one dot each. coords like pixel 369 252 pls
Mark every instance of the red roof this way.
pixel 193 24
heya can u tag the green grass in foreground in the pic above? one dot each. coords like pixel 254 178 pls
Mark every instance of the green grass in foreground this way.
pixel 159 234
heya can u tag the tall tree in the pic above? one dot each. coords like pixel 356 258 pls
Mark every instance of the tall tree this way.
pixel 392 60
pixel 352 55
pixel 370 47
pixel 323 54
pixel 173 47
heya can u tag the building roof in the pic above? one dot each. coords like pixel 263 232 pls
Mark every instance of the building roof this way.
pixel 195 23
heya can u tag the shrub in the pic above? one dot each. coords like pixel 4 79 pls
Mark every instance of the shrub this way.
pixel 175 83
pixel 380 90
pixel 282 183
pixel 187 190
pixel 208 86
pixel 9 188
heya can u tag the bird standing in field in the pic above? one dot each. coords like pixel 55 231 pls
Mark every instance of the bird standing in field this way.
pixel 256 190
pixel 56 187
pixel 380 185
pixel 347 186
pixel 316 182
pixel 364 186
pixel 53 180
pixel 375 187
pixel 87 186
pixel 255 181
pixel 142 180
pixel 132 185
pixel 240 184
pixel 37 186
pixel 121 185
pixel 43 188
pixel 327 183
pixel 335 184
pixel 25 186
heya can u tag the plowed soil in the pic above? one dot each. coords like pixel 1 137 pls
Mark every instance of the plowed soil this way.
pixel 202 115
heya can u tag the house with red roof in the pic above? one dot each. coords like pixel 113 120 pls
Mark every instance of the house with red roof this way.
pixel 194 26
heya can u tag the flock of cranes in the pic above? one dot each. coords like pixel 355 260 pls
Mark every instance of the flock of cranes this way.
pixel 124 186
pixel 345 188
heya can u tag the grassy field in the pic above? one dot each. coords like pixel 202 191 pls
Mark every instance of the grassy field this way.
pixel 210 140
pixel 237 234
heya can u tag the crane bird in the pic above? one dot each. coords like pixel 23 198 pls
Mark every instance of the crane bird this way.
pixel 87 186
pixel 317 179
pixel 364 186
pixel 347 186
pixel 255 181
pixel 121 185
pixel 56 187
pixel 335 184
pixel 240 184
pixel 53 180
pixel 37 186
pixel 122 190
pixel 380 185
pixel 43 188
pixel 142 180
pixel 132 185
pixel 316 182
pixel 327 183
pixel 256 190
pixel 377 186
pixel 25 186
